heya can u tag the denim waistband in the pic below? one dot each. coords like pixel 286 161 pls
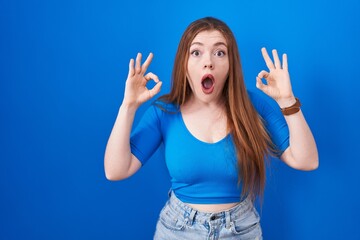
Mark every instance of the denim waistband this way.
pixel 193 215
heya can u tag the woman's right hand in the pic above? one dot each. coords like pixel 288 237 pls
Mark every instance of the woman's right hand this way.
pixel 136 91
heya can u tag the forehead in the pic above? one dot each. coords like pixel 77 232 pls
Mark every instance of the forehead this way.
pixel 209 37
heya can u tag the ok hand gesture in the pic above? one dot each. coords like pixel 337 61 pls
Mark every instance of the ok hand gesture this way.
pixel 278 84
pixel 136 91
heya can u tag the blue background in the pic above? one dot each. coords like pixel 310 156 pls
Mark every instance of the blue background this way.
pixel 63 65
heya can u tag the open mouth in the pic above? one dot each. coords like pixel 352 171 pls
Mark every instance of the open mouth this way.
pixel 208 83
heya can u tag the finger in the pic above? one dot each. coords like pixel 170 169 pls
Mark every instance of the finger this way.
pixel 263 74
pixel 138 63
pixel 285 62
pixel 131 68
pixel 155 90
pixel 267 59
pixel 260 85
pixel 276 59
pixel 152 76
pixel 147 62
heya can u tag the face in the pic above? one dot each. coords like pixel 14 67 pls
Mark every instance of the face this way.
pixel 208 65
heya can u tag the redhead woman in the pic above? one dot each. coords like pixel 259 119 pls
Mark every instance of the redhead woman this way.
pixel 217 134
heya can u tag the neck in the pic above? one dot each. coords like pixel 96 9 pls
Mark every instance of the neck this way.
pixel 194 102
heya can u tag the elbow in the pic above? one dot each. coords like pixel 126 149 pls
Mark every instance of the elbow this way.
pixel 315 164
pixel 311 165
pixel 308 162
pixel 116 170
pixel 112 175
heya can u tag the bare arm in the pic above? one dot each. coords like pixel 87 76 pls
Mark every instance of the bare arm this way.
pixel 119 162
pixel 302 153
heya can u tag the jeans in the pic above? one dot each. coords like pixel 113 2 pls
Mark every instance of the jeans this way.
pixel 178 221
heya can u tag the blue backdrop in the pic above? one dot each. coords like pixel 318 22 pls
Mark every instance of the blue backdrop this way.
pixel 63 65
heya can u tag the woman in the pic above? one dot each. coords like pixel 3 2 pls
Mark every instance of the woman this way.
pixel 216 134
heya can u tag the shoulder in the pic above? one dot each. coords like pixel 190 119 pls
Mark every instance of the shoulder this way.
pixel 262 103
pixel 165 107
pixel 274 120
pixel 159 110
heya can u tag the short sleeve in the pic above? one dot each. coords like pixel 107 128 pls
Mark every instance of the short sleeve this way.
pixel 146 137
pixel 274 120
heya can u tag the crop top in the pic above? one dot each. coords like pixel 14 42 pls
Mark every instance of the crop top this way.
pixel 200 172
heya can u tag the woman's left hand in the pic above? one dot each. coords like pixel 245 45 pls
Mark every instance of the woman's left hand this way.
pixel 278 84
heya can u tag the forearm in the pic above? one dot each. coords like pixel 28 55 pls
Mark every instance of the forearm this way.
pixel 117 160
pixel 302 153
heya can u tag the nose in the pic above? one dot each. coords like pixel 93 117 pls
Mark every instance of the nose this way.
pixel 208 63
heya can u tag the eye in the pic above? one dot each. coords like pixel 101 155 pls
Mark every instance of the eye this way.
pixel 220 53
pixel 195 53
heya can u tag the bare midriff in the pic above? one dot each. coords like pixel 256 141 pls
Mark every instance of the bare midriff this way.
pixel 212 208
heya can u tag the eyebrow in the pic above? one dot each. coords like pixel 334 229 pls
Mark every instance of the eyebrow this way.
pixel 216 44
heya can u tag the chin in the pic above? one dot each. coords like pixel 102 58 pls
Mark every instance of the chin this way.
pixel 207 98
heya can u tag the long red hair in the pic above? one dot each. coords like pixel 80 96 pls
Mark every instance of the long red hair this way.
pixel 251 139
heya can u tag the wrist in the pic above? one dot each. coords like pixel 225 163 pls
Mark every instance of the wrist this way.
pixel 292 109
pixel 129 107
pixel 286 102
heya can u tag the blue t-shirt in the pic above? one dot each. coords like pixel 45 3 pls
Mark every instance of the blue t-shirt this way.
pixel 204 173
